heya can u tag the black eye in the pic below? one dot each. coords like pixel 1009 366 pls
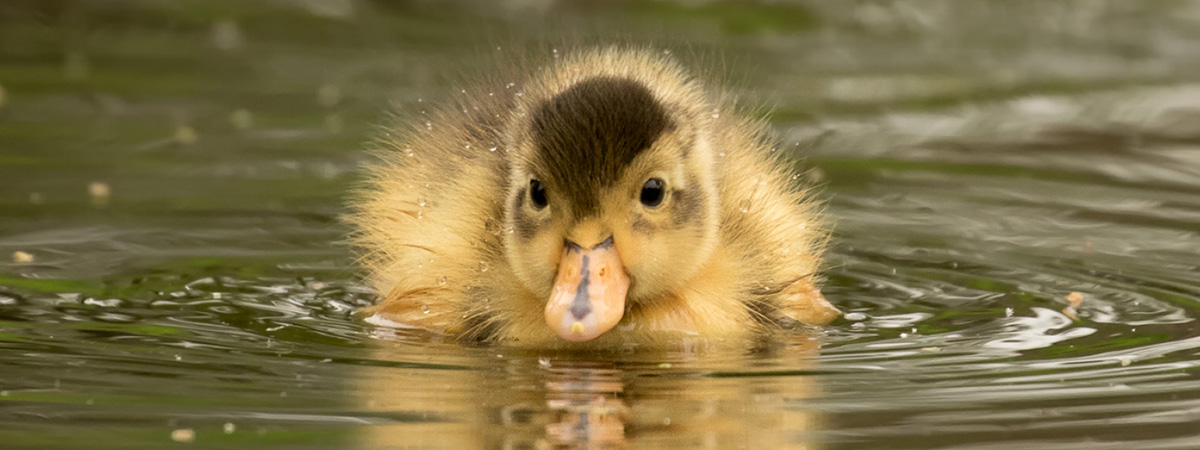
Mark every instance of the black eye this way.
pixel 652 192
pixel 537 193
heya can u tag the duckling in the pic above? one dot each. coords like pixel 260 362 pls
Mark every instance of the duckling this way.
pixel 608 200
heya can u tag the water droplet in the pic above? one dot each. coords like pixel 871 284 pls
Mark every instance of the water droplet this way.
pixel 441 280
pixel 744 206
pixel 421 202
pixel 510 85
pixel 424 308
pixel 722 154
pixel 409 153
pixel 483 266
pixel 492 149
pixel 468 147
pixel 428 125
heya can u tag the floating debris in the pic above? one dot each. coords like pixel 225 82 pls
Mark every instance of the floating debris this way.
pixel 185 435
pixel 185 135
pixel 1075 299
pixel 241 119
pixel 100 193
pixel 21 257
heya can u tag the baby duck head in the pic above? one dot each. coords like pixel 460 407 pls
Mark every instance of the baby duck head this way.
pixel 612 198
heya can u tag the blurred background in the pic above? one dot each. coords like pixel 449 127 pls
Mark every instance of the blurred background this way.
pixel 1015 183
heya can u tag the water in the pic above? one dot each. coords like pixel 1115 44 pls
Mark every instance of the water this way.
pixel 984 160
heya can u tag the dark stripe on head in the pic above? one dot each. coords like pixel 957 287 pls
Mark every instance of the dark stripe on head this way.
pixel 687 207
pixel 526 227
pixel 641 225
pixel 588 133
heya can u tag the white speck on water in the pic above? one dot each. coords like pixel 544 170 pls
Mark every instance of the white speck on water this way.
pixel 185 435
pixel 492 149
pixel 544 363
pixel 21 257
pixel 483 266
pixel 421 202
pixel 855 316
pixel 424 308
pixel 178 357
pixel 229 428
pixel 1008 312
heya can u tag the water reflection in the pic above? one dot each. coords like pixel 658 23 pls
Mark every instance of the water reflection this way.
pixel 713 398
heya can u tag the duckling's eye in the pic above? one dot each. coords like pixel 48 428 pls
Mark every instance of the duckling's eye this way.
pixel 537 193
pixel 652 192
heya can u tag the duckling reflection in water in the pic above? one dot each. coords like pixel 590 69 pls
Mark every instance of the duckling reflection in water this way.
pixel 458 398
pixel 608 200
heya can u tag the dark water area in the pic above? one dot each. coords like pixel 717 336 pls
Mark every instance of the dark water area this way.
pixel 1016 187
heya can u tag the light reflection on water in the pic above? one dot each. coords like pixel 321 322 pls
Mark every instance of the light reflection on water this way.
pixel 981 170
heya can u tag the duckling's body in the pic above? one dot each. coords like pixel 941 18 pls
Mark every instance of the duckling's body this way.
pixel 476 218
